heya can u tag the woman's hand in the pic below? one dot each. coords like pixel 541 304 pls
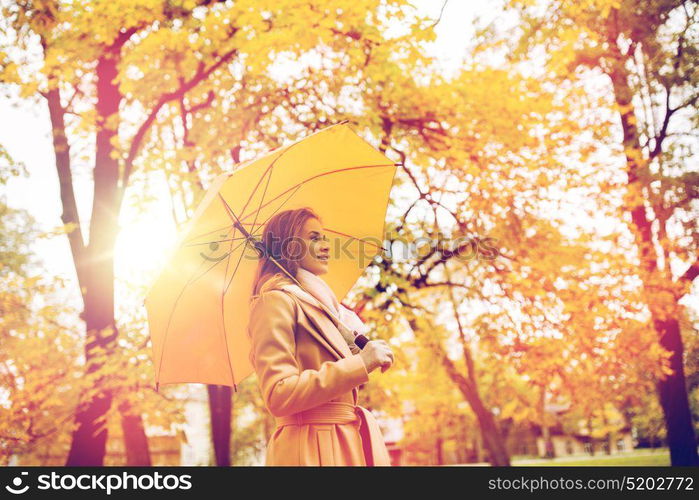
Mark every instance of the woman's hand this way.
pixel 377 353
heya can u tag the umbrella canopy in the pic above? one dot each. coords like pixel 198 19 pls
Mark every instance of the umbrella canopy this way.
pixel 198 307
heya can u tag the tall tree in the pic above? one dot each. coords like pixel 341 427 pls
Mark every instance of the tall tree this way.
pixel 487 189
pixel 647 50
pixel 202 70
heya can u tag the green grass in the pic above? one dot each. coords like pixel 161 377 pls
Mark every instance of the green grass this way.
pixel 657 457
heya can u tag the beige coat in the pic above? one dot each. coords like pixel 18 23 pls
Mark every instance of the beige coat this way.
pixel 308 377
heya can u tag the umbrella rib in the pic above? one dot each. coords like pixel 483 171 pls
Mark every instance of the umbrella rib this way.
pixel 298 186
pixel 191 280
pixel 214 241
pixel 252 229
pixel 215 263
pixel 242 223
pixel 262 224
pixel 233 227
pixel 212 231
pixel 225 273
pixel 172 311
pixel 353 237
pixel 267 173
pixel 230 212
pixel 245 217
pixel 225 334
pixel 269 167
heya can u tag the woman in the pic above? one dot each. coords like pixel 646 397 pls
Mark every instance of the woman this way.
pixel 307 364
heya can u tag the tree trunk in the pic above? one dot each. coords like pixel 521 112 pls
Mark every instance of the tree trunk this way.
pixel 608 437
pixel 95 267
pixel 592 441
pixel 135 440
pixel 88 448
pixel 673 398
pixel 88 445
pixel 672 389
pixel 90 437
pixel 479 448
pixel 492 437
pixel 220 405
pixel 549 450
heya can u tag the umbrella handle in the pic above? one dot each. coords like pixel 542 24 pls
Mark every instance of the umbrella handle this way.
pixel 360 340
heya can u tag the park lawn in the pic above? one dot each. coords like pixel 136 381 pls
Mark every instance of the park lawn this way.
pixel 660 457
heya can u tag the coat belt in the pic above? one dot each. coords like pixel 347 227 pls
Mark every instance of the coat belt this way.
pixel 340 412
pixel 332 412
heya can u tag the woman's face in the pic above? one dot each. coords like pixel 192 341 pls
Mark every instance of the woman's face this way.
pixel 316 252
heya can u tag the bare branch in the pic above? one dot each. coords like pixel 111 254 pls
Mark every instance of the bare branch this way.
pixel 69 215
pixel 692 272
pixel 201 74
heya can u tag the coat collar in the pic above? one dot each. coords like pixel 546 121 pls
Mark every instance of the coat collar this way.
pixel 318 322
pixel 315 319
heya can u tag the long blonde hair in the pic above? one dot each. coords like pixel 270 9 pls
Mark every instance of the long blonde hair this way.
pixel 282 229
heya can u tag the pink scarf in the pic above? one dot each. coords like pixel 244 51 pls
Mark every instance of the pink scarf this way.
pixel 350 324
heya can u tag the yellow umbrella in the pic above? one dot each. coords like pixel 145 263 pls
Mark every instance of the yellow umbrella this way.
pixel 198 306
